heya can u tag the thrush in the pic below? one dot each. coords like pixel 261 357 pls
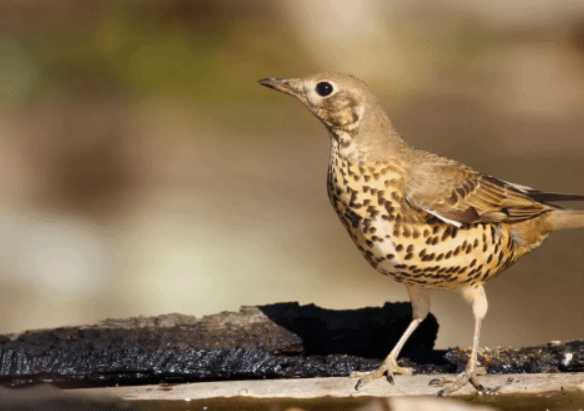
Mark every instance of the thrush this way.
pixel 429 222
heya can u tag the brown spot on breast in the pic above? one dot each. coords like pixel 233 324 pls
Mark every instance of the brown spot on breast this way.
pixel 391 182
pixel 380 199
pixel 429 257
pixel 387 169
pixel 399 247
pixel 372 211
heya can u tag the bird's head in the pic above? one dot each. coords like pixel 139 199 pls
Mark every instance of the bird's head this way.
pixel 345 105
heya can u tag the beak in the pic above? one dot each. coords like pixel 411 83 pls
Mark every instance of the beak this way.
pixel 280 84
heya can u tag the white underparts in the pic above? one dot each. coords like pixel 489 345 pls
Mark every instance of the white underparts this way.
pixel 385 247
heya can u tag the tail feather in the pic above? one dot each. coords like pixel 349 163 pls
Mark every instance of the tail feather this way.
pixel 545 197
pixel 563 219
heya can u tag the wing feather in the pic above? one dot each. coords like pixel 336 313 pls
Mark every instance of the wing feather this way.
pixel 454 192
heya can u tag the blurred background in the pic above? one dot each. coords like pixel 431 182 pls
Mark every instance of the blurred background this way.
pixel 143 171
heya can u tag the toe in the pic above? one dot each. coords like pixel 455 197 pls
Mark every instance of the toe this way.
pixel 438 382
pixel 454 384
pixel 386 369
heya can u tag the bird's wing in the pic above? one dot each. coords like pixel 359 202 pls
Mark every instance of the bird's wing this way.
pixel 459 195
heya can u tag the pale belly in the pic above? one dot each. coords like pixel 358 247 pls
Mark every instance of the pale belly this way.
pixel 434 255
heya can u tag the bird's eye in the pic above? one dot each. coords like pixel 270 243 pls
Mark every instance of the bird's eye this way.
pixel 324 88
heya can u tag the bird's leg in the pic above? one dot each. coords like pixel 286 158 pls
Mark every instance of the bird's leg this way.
pixel 420 299
pixel 477 297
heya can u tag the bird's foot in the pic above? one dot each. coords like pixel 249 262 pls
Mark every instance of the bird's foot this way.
pixel 454 384
pixel 388 368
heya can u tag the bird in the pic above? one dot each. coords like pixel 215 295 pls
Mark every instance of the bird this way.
pixel 429 222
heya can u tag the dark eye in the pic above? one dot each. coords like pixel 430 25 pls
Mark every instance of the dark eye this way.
pixel 324 89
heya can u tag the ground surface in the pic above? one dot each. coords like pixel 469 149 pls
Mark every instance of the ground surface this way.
pixel 282 340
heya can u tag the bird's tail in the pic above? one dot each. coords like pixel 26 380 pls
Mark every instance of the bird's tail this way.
pixel 568 219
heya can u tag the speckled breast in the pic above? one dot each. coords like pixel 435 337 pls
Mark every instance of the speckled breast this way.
pixel 412 246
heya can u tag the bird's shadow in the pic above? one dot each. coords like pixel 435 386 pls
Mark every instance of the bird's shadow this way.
pixel 368 332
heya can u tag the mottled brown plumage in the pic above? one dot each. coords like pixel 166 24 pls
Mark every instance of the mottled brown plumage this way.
pixel 429 222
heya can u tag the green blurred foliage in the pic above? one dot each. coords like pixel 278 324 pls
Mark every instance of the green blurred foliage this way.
pixel 19 74
pixel 196 51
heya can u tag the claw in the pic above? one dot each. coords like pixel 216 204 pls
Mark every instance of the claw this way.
pixel 387 368
pixel 454 384
pixel 436 382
